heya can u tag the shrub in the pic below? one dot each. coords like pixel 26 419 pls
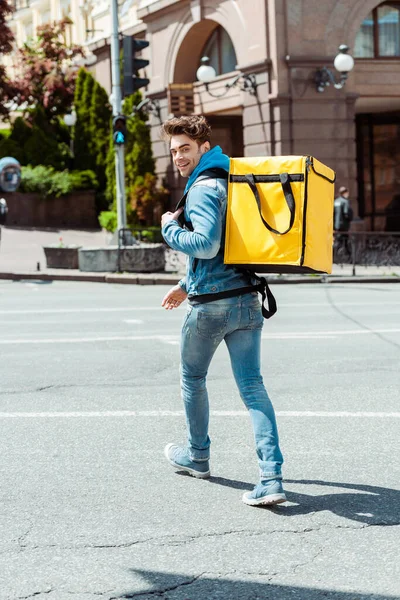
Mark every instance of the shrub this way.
pixel 149 234
pixel 36 141
pixel 9 147
pixel 108 220
pixel 83 180
pixel 148 201
pixel 48 182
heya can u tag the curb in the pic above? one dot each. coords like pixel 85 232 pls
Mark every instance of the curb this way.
pixel 131 278
pixel 166 279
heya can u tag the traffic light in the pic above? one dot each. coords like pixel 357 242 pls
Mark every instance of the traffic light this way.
pixel 132 65
pixel 119 130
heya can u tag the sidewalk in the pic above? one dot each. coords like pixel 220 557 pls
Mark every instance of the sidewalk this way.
pixel 21 254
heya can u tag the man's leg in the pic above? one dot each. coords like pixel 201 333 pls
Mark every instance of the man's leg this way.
pixel 244 348
pixel 202 332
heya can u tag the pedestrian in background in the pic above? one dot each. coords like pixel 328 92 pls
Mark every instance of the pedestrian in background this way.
pixel 343 213
pixel 342 218
pixel 221 307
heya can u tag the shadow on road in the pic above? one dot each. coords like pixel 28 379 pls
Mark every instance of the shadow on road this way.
pixel 367 504
pixel 188 587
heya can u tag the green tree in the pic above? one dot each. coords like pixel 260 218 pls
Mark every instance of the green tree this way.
pixel 44 75
pixel 139 155
pixel 80 80
pixel 6 41
pixel 82 142
pixel 92 129
pixel 99 129
pixel 36 141
pixel 139 164
pixel 47 143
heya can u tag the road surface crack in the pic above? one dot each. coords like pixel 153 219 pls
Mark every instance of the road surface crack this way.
pixel 159 592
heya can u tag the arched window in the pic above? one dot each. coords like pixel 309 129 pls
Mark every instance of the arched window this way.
pixel 220 51
pixel 379 35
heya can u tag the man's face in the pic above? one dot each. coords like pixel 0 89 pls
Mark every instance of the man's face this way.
pixel 186 153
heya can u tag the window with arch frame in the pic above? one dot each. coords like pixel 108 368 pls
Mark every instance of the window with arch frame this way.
pixel 379 34
pixel 220 51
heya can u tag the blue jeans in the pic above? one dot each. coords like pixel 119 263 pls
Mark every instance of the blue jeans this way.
pixel 238 321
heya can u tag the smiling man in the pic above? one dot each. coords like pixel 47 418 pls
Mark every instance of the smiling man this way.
pixel 222 305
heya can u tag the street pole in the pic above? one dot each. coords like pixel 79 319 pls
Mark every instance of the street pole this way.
pixel 117 110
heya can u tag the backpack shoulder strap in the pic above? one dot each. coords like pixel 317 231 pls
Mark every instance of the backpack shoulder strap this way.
pixel 216 173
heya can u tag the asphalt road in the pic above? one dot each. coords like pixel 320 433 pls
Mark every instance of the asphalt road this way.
pixel 89 508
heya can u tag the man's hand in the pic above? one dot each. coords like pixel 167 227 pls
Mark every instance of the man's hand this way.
pixel 170 216
pixel 174 297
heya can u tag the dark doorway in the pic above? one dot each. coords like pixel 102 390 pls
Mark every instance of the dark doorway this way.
pixel 378 164
pixel 227 132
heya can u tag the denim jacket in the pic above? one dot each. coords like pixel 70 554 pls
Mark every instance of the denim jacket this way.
pixel 205 211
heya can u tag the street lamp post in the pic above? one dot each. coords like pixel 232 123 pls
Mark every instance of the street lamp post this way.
pixel 206 73
pixel 343 63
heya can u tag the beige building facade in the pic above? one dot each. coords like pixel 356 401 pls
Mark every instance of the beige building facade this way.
pixel 281 44
pixel 355 130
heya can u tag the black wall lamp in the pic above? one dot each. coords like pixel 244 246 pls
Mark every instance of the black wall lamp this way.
pixel 206 73
pixel 343 63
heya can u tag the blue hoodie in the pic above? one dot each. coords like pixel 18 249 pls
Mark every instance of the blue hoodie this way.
pixel 205 209
pixel 209 160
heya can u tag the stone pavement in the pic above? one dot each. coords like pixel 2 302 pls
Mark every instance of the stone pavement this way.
pixel 22 257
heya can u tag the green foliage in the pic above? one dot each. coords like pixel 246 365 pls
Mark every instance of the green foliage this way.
pixel 42 149
pixel 148 234
pixel 9 147
pixel 37 141
pixel 108 220
pixel 148 201
pixel 100 117
pixel 80 80
pixel 43 73
pixel 92 128
pixel 110 192
pixel 145 199
pixel 21 131
pixel 48 182
pixel 139 155
pixel 82 140
pixel 83 180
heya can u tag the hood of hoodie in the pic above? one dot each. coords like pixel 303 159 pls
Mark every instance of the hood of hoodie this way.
pixel 210 160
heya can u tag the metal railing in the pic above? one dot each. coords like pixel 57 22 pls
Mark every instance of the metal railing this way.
pixel 367 248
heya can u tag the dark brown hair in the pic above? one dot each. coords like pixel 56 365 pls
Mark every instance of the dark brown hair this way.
pixel 194 126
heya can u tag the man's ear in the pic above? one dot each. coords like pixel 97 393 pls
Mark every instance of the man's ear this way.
pixel 207 146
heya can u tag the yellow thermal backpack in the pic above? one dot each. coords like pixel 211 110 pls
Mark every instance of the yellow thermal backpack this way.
pixel 280 215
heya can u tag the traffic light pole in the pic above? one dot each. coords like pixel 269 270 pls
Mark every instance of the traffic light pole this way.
pixel 117 109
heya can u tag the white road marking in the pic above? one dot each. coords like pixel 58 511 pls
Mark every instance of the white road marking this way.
pixel 317 334
pixel 181 307
pixel 65 311
pixel 175 338
pixel 115 338
pixel 133 321
pixel 180 413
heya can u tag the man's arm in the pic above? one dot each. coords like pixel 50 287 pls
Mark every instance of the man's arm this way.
pixel 204 210
pixel 182 284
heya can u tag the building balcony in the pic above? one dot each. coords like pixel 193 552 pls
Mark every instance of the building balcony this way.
pixel 20 4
